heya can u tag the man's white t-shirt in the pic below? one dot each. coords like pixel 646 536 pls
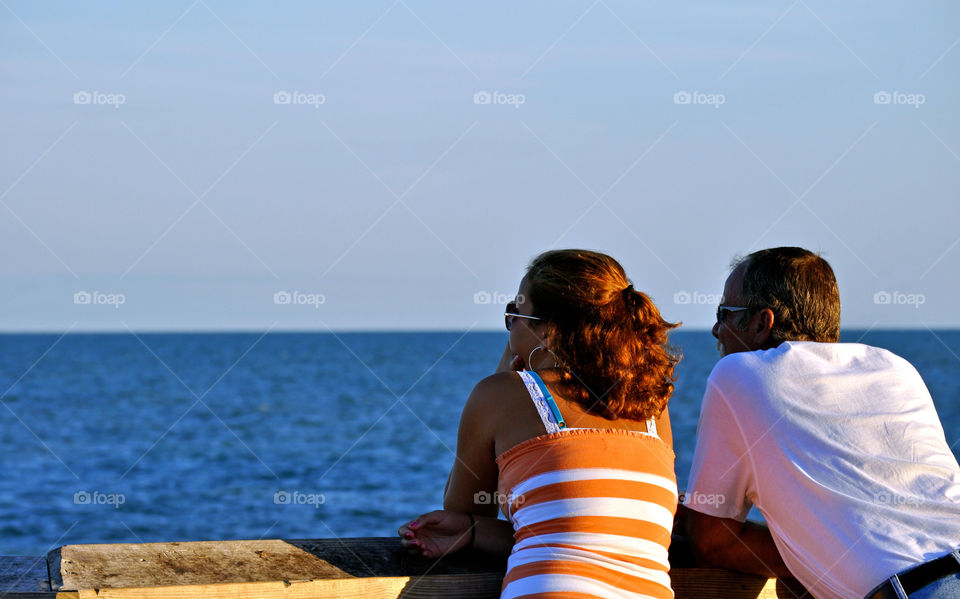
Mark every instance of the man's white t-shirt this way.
pixel 840 448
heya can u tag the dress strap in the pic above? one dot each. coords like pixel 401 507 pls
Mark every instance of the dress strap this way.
pixel 652 427
pixel 543 401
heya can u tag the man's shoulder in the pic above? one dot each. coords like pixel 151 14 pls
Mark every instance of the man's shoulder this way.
pixel 735 377
pixel 840 356
pixel 739 365
pixel 798 358
pixel 793 351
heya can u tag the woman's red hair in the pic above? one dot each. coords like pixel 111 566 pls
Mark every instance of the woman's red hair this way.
pixel 610 339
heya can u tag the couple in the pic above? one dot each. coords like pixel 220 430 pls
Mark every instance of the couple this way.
pixel 838 445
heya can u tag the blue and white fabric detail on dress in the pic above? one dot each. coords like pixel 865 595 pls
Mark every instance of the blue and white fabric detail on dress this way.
pixel 546 407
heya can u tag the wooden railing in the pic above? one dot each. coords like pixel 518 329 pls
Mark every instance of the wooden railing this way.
pixel 296 569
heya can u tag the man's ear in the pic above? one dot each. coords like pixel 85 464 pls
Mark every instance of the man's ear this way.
pixel 763 327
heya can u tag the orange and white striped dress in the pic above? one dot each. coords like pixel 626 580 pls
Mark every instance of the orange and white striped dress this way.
pixel 592 509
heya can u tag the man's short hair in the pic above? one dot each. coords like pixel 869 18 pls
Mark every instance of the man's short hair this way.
pixel 799 287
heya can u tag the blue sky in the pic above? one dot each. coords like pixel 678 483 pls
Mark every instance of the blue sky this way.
pixel 148 157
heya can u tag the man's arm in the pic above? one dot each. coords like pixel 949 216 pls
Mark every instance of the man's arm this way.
pixel 728 543
pixel 720 485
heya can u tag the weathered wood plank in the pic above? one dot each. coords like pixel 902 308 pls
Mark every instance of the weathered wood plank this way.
pixel 205 562
pixel 467 586
pixel 694 583
pixel 689 583
pixel 213 562
pixel 383 556
pixel 368 567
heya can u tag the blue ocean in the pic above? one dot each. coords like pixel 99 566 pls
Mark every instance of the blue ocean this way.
pixel 159 437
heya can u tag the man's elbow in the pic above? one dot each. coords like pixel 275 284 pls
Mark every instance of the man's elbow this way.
pixel 709 539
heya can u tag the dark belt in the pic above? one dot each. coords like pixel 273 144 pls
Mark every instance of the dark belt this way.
pixel 915 578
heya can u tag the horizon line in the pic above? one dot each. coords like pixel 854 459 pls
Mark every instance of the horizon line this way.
pixel 349 330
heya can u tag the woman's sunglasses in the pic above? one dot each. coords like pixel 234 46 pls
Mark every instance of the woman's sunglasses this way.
pixel 512 313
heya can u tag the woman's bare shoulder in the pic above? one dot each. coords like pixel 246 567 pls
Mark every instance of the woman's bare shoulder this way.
pixel 498 382
pixel 496 388
pixel 492 399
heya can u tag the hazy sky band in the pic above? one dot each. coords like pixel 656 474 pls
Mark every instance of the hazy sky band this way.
pixel 202 165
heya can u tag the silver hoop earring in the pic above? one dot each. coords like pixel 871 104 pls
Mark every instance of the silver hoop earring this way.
pixel 556 361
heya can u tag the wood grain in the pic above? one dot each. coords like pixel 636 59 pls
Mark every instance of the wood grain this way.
pixel 295 569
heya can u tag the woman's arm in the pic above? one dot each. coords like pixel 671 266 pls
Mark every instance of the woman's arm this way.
pixel 438 533
pixel 494 535
pixel 471 487
pixel 664 431
pixel 472 484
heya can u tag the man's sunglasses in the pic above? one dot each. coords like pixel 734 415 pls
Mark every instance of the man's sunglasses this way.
pixel 722 311
pixel 512 313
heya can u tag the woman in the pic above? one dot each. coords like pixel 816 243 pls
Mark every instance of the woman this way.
pixel 569 445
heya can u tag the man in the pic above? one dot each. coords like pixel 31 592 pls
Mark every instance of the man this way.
pixel 837 444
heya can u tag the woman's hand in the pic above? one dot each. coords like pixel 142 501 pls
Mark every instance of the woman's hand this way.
pixel 436 533
pixel 510 361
